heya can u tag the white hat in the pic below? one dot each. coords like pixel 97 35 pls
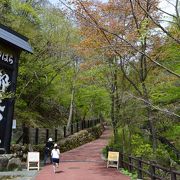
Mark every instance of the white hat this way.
pixel 55 145
pixel 50 140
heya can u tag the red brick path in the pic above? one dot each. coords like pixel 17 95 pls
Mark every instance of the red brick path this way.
pixel 83 163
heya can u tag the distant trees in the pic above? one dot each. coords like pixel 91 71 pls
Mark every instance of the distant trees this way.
pixel 49 89
pixel 129 35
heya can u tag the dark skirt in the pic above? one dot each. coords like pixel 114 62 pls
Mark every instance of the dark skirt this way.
pixel 55 160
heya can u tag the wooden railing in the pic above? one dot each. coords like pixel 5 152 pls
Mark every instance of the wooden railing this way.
pixel 147 169
pixel 75 127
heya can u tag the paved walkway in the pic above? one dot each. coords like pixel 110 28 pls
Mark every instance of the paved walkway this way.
pixel 83 163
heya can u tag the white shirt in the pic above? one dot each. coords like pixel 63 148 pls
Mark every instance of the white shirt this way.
pixel 55 153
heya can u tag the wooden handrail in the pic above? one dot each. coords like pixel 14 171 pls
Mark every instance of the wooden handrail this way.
pixel 153 168
pixel 74 127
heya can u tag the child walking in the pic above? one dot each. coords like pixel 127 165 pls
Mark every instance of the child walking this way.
pixel 55 153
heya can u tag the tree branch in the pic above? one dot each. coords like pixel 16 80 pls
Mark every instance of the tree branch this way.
pixel 157 24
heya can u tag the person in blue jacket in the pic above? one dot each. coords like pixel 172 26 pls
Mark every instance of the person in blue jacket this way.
pixel 47 150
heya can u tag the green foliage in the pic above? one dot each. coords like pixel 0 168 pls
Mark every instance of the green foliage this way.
pixel 140 148
pixel 172 134
pixel 126 172
pixel 144 30
pixel 162 156
pixel 166 93
pixel 92 100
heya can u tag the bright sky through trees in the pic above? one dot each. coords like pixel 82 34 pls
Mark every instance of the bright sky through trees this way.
pixel 164 4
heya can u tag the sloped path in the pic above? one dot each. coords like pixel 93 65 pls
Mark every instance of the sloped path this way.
pixel 83 163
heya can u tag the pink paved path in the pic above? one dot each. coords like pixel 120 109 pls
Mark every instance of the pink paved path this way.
pixel 83 163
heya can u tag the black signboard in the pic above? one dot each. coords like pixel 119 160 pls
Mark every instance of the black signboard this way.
pixel 11 45
pixel 8 75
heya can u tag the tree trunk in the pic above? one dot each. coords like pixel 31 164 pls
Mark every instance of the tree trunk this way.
pixel 150 117
pixel 71 109
pixel 123 140
pixel 113 115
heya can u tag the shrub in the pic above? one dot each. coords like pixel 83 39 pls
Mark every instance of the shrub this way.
pixel 80 138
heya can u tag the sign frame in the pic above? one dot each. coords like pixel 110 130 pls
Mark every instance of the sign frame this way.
pixel 33 158
pixel 113 159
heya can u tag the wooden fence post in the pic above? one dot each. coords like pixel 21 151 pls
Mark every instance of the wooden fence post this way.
pixel 47 134
pixel 152 171
pixel 64 131
pixel 71 129
pixel 77 126
pixel 121 160
pixel 26 139
pixel 173 175
pixel 84 124
pixel 140 176
pixel 56 134
pixel 130 162
pixel 36 136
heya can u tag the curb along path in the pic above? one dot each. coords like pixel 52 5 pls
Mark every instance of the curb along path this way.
pixel 83 163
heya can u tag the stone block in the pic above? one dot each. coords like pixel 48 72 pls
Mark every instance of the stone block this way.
pixel 3 163
pixel 14 164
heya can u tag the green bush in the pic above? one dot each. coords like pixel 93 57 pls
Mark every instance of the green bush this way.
pixel 126 172
pixel 80 138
